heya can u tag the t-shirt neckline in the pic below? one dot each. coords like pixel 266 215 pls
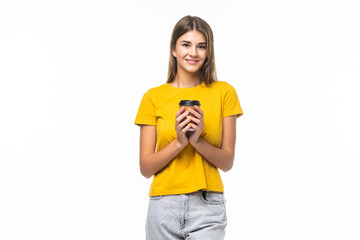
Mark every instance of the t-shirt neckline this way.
pixel 202 84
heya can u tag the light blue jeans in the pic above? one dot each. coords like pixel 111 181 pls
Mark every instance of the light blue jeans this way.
pixel 187 216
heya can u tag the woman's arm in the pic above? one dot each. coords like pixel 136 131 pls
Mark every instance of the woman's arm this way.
pixel 222 157
pixel 150 161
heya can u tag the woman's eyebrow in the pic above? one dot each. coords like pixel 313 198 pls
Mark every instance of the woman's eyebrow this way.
pixel 190 42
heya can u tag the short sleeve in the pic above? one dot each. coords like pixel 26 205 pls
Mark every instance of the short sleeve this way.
pixel 146 113
pixel 231 102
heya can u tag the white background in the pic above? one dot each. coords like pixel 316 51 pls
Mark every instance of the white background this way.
pixel 72 76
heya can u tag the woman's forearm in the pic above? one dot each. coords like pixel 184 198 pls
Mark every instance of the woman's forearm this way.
pixel 220 158
pixel 154 162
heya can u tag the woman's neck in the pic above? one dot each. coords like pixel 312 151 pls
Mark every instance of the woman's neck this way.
pixel 186 80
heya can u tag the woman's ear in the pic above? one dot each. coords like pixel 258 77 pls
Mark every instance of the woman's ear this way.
pixel 173 53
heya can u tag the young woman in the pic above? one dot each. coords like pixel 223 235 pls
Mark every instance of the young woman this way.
pixel 186 195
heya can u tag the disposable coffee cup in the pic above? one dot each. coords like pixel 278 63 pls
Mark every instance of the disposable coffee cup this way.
pixel 189 104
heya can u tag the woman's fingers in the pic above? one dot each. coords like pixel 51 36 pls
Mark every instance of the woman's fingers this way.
pixel 195 120
pixel 198 109
pixel 198 115
pixel 197 112
pixel 183 123
pixel 181 114
pixel 182 109
pixel 185 129
pixel 185 119
pixel 182 119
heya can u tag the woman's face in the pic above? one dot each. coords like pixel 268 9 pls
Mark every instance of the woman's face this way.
pixel 190 52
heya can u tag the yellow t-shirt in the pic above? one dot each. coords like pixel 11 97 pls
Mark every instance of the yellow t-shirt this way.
pixel 188 171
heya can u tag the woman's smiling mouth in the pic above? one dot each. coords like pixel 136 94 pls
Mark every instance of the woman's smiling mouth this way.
pixel 192 61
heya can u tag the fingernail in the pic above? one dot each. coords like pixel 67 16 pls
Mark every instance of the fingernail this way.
pixel 188 117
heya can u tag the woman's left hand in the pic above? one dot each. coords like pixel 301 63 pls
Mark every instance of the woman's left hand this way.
pixel 197 124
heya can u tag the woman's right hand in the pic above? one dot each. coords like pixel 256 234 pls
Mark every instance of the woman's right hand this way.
pixel 182 125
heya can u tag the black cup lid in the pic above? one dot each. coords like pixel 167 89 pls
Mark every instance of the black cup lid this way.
pixel 189 103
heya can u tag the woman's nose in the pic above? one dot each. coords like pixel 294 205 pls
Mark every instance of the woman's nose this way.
pixel 193 51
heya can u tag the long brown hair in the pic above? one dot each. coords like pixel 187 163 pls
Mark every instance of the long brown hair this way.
pixel 184 25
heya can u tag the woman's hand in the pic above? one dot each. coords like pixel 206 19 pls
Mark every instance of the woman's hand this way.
pixel 198 124
pixel 182 125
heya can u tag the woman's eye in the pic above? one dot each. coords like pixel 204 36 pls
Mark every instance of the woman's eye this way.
pixel 202 46
pixel 186 45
